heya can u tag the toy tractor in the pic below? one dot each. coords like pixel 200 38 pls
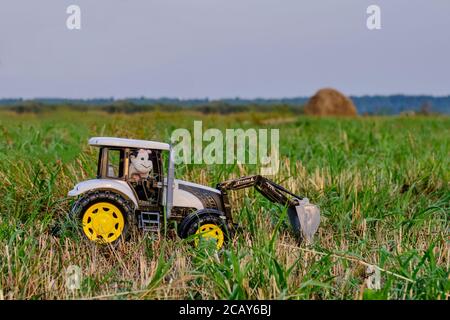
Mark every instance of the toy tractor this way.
pixel 133 187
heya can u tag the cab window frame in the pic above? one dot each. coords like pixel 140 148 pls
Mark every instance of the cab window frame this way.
pixel 104 161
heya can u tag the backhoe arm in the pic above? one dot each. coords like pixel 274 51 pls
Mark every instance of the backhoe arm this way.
pixel 264 186
pixel 304 217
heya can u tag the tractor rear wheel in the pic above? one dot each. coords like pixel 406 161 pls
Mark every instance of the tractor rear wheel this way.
pixel 205 225
pixel 104 216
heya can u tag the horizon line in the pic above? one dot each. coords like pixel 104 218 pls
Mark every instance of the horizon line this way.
pixel 215 99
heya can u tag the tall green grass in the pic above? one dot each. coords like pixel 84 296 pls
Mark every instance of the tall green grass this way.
pixel 382 185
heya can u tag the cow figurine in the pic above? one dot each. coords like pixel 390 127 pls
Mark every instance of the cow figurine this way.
pixel 140 165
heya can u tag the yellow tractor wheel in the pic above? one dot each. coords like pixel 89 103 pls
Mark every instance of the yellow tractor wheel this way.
pixel 210 232
pixel 205 225
pixel 103 222
pixel 103 216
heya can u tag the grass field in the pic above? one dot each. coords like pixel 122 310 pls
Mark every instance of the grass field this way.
pixel 382 184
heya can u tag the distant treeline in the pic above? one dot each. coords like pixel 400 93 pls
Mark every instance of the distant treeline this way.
pixel 372 105
pixel 125 106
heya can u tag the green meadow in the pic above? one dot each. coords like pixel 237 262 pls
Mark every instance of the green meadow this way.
pixel 382 184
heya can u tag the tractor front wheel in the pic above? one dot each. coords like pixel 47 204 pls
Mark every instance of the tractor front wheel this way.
pixel 205 225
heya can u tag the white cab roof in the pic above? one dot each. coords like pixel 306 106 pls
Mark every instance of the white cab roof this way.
pixel 127 143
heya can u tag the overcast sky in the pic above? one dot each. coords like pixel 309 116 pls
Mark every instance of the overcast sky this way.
pixel 222 48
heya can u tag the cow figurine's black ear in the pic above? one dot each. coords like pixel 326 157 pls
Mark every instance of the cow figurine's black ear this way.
pixel 133 154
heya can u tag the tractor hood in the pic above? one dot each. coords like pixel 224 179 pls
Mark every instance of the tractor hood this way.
pixel 193 195
pixel 181 184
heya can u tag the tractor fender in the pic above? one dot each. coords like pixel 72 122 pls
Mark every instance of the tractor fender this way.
pixel 104 184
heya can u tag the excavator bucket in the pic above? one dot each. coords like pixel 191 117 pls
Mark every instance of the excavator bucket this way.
pixel 305 219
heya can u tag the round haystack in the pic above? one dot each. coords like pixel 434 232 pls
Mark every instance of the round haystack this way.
pixel 330 102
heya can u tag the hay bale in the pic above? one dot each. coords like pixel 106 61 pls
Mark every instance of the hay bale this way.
pixel 330 102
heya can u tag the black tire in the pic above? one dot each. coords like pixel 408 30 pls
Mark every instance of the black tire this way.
pixel 97 196
pixel 191 223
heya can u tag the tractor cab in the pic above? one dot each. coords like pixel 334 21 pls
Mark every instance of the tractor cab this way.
pixel 139 164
